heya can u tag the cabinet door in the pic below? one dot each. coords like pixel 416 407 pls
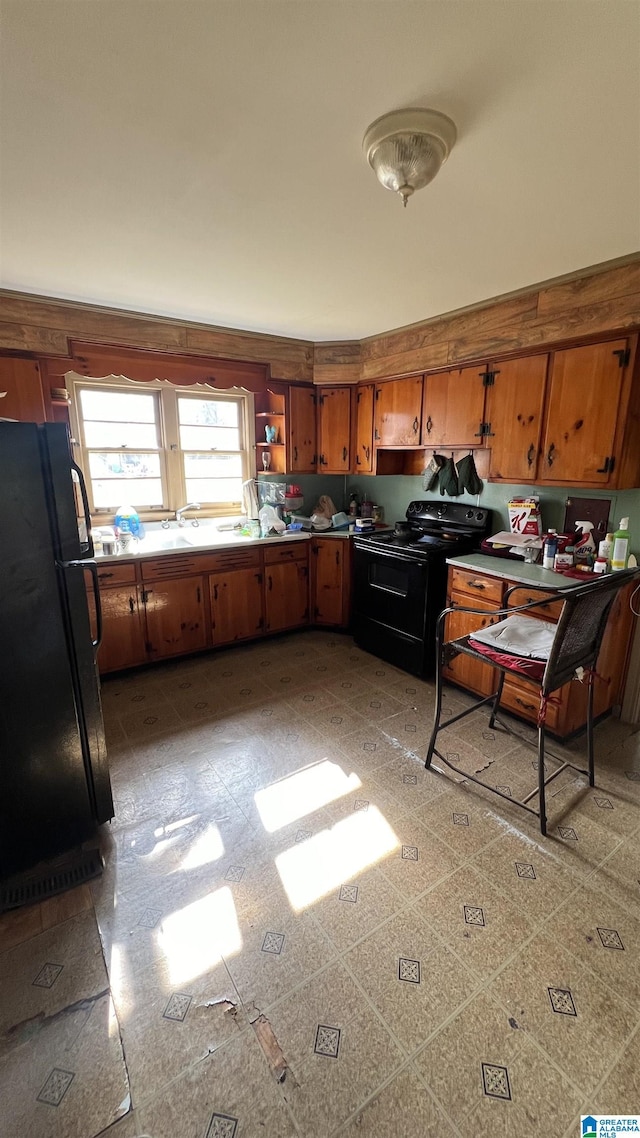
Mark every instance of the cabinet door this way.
pixel 328 582
pixel 236 605
pixel 398 409
pixel 584 394
pixel 287 595
pixel 334 430
pixel 122 628
pixel 461 669
pixel 364 429
pixel 453 408
pixel 302 430
pixel 174 612
pixel 514 417
pixel 21 394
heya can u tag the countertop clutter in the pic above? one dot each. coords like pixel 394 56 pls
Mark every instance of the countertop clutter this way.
pixel 174 542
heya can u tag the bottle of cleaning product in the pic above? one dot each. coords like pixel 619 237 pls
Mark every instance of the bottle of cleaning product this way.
pixel 353 506
pixel 605 548
pixel 620 553
pixel 549 549
pixel 585 549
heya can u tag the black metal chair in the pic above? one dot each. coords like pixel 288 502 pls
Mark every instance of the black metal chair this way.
pixel 573 653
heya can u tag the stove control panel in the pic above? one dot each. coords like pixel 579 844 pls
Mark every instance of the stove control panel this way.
pixel 453 513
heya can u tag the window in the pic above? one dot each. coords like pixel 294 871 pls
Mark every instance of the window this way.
pixel 161 447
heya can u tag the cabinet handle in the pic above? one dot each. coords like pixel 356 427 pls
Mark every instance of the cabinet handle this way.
pixel 258 577
pixel 527 706
pixel 344 454
pixel 530 455
pixel 429 425
pixel 376 434
pixel 609 464
pixel 551 455
pixel 198 594
pixel 295 454
pixel 480 434
pixel 416 425
pixel 215 592
pixel 476 584
pixel 132 607
pixel 337 556
pixel 357 460
pixel 270 580
pixel 104 576
pixel 367 452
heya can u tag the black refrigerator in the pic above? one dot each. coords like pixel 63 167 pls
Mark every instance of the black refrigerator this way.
pixel 54 777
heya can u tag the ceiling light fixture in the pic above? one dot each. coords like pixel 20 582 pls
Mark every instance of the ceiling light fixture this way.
pixel 407 148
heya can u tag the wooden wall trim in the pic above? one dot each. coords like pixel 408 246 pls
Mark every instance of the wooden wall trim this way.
pixel 591 302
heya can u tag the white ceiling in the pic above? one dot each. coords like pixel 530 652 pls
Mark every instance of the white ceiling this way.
pixel 202 158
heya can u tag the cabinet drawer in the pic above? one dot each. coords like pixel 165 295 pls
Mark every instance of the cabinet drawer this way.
pixel 294 551
pixel 180 565
pixel 524 700
pixel 476 585
pixel 524 596
pixel 112 574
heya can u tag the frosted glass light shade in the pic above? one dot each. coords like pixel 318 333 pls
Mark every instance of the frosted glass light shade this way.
pixel 407 148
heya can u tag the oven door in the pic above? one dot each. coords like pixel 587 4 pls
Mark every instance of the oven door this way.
pixel 390 589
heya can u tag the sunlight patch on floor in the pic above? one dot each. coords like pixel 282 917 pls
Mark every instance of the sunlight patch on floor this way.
pixel 206 848
pixel 193 939
pixel 301 793
pixel 309 870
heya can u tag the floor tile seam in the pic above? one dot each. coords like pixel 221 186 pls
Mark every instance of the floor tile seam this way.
pixel 342 952
pixel 580 1090
pixel 376 1011
pixel 405 1066
pixel 424 892
pixel 602 889
pixel 609 1071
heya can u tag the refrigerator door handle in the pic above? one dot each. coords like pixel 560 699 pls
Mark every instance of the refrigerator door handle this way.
pixel 92 568
pixel 86 547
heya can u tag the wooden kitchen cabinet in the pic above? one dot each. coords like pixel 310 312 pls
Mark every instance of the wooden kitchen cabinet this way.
pixel 334 430
pixel 453 408
pixel 584 398
pixel 21 394
pixel 236 605
pixel 123 639
pixel 513 413
pixel 365 398
pixel 331 581
pixel 398 412
pixel 302 430
pixel 566 714
pixel 286 595
pixel 175 616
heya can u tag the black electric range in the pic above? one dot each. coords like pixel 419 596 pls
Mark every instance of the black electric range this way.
pixel 400 579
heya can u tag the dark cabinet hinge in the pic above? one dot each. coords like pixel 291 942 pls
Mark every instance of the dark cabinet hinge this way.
pixel 623 355
pixel 321 400
pixel 609 464
pixel 148 646
pixel 377 392
pixel 488 378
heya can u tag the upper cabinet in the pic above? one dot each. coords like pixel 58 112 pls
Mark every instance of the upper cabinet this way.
pixel 364 429
pixel 21 395
pixel 453 407
pixel 398 412
pixel 334 430
pixel 302 430
pixel 271 428
pixel 584 405
pixel 513 414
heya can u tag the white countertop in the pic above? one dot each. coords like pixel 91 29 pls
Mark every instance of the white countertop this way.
pixel 169 543
pixel 515 570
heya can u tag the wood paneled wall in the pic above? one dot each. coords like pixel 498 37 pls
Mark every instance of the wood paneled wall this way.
pixel 586 305
pixel 46 327
pixel 603 299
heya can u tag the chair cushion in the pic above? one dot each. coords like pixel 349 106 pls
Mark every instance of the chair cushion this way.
pixel 526 666
pixel 519 636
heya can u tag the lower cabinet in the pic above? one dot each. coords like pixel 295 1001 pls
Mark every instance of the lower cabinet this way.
pixel 123 640
pixel 566 713
pixel 236 605
pixel 286 595
pixel 175 617
pixel 331 581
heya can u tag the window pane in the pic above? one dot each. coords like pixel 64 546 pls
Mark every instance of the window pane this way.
pixel 120 434
pixel 212 490
pixel 213 466
pixel 118 406
pixel 208 412
pixel 209 438
pixel 123 465
pixel 111 493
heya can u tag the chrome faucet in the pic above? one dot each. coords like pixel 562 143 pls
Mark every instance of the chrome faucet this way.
pixel 183 509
